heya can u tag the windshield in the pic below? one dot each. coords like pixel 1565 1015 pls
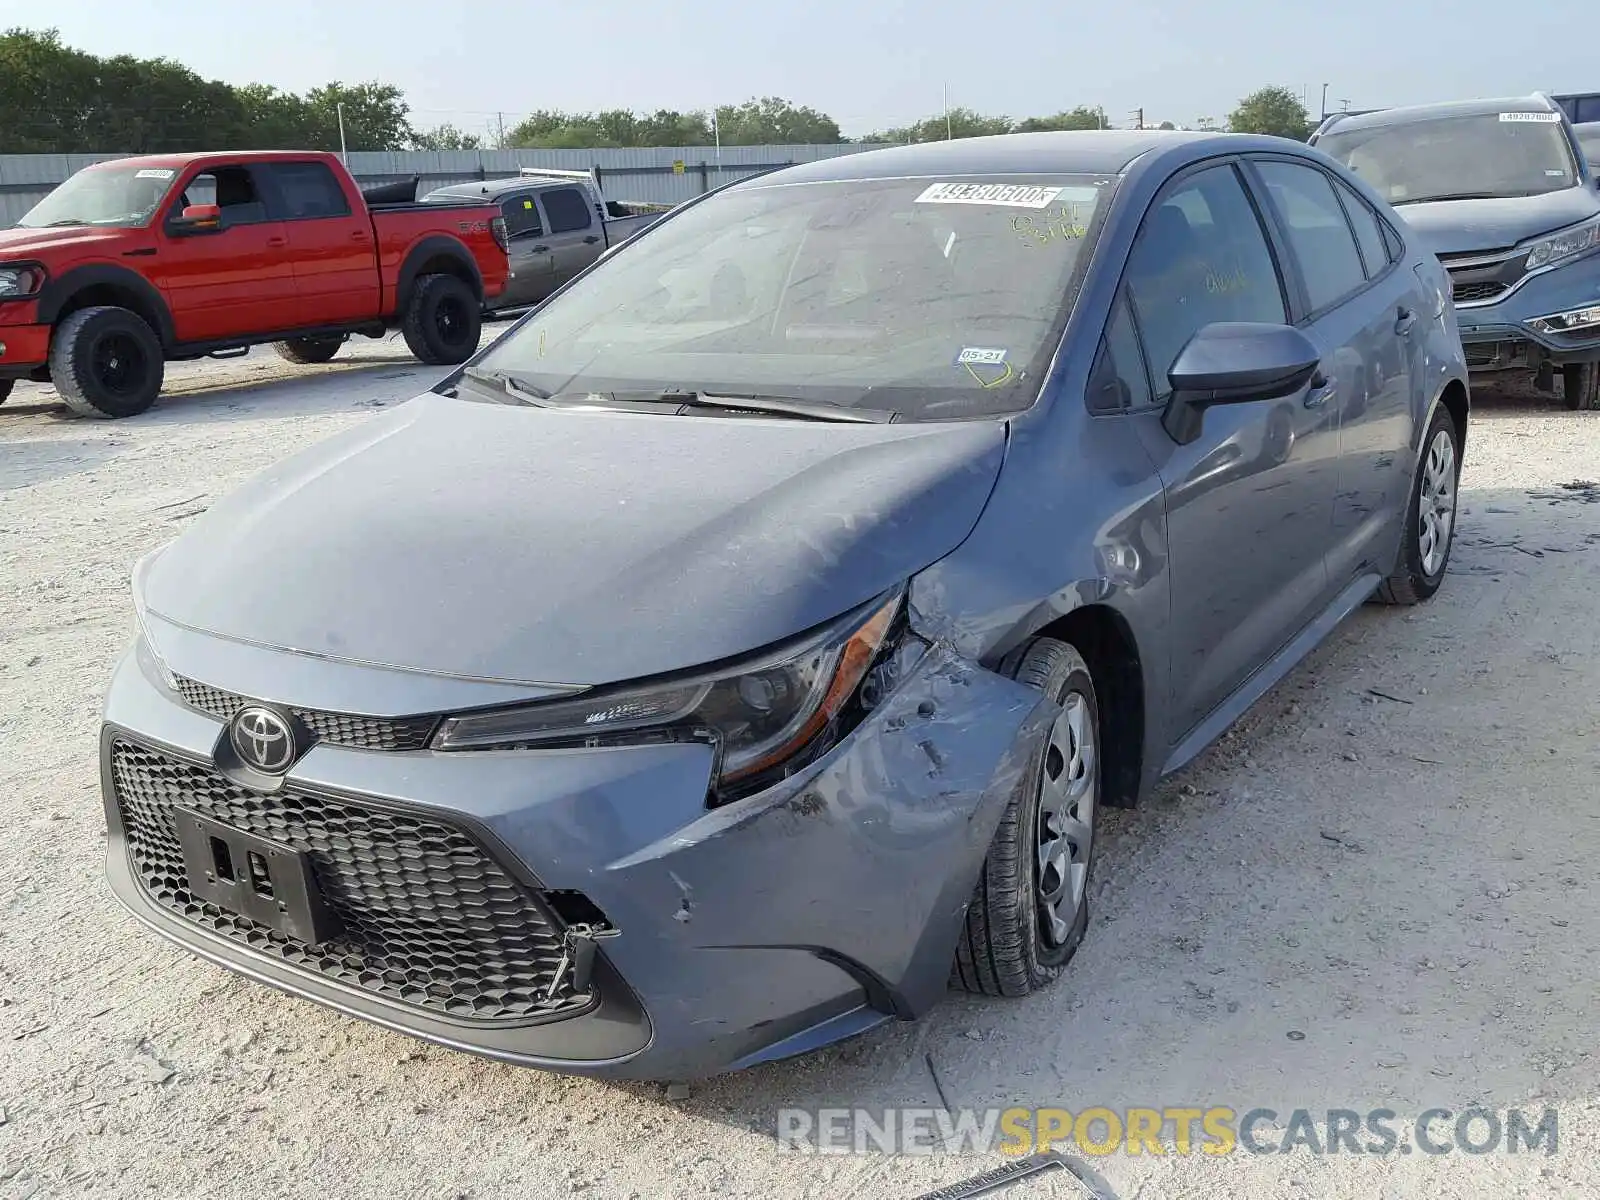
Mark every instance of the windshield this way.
pixel 122 196
pixel 933 298
pixel 1485 155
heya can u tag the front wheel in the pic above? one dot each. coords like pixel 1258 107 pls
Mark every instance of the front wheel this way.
pixel 1430 518
pixel 1030 908
pixel 1580 386
pixel 106 362
pixel 309 349
pixel 443 320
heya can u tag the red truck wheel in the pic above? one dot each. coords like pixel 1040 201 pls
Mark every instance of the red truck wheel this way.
pixel 308 350
pixel 443 321
pixel 106 362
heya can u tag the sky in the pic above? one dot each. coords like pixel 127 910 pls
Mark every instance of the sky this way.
pixel 870 64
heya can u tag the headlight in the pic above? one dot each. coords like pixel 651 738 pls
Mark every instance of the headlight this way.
pixel 761 713
pixel 17 282
pixel 1564 245
pixel 141 571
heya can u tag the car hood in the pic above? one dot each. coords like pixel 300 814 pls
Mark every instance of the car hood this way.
pixel 15 243
pixel 486 541
pixel 1477 226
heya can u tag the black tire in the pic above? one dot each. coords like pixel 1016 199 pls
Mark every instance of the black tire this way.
pixel 1580 386
pixel 1008 946
pixel 106 362
pixel 1413 581
pixel 308 350
pixel 442 323
pixel 5 389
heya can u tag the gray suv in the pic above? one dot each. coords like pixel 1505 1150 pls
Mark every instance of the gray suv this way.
pixel 749 640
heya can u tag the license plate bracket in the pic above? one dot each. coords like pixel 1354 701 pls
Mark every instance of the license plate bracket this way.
pixel 266 881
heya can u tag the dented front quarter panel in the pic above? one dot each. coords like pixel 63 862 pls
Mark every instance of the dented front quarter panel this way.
pixel 843 887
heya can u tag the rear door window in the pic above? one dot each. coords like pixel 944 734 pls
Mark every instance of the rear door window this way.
pixel 566 209
pixel 521 214
pixel 309 190
pixel 1369 233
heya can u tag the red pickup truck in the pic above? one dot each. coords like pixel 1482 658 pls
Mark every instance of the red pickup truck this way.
pixel 137 261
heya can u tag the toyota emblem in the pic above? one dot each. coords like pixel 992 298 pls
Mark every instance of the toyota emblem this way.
pixel 263 740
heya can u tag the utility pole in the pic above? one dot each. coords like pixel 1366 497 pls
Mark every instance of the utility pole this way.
pixel 1345 104
pixel 1324 102
pixel 500 131
pixel 1138 118
pixel 343 157
pixel 944 96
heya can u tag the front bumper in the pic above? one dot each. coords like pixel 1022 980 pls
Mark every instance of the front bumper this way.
pixel 24 348
pixel 1503 335
pixel 778 923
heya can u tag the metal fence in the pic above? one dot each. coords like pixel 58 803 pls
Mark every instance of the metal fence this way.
pixel 654 174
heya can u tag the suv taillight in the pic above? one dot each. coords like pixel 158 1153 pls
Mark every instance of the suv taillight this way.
pixel 497 226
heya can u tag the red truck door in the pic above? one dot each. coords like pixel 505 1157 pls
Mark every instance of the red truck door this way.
pixel 231 281
pixel 335 259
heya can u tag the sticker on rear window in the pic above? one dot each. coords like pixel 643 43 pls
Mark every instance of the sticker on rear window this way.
pixel 1555 173
pixel 1546 118
pixel 980 354
pixel 154 173
pixel 1008 195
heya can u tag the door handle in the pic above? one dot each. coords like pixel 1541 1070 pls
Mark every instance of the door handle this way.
pixel 540 249
pixel 359 235
pixel 1322 386
pixel 277 241
pixel 590 240
pixel 1405 321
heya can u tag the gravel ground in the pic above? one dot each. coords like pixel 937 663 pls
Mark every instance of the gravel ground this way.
pixel 1377 891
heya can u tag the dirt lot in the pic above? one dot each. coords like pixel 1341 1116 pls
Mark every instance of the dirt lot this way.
pixel 1379 891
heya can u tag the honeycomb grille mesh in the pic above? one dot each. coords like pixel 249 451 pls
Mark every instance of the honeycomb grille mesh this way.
pixel 338 729
pixel 429 919
pixel 1466 293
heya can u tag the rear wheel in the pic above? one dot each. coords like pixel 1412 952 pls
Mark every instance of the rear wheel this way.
pixel 442 323
pixel 1430 518
pixel 1580 385
pixel 1030 908
pixel 106 362
pixel 309 350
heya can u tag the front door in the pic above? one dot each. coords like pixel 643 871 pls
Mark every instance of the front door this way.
pixel 573 228
pixel 1365 314
pixel 532 265
pixel 229 282
pixel 1249 502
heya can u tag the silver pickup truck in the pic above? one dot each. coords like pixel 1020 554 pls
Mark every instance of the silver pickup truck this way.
pixel 558 224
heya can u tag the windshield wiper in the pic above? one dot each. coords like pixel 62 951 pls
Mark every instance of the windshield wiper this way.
pixel 1455 196
pixel 509 384
pixel 60 223
pixel 785 406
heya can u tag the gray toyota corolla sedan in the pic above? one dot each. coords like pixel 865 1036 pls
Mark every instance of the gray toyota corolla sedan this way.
pixel 744 646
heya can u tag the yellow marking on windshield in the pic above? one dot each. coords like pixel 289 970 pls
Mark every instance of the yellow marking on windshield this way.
pixel 991 383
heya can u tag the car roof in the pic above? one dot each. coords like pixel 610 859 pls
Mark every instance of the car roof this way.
pixel 1410 114
pixel 230 156
pixel 1074 152
pixel 499 187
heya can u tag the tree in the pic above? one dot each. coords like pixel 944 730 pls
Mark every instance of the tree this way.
pixel 549 129
pixel 960 123
pixel 773 121
pixel 1272 110
pixel 1081 117
pixel 1166 125
pixel 375 116
pixel 445 137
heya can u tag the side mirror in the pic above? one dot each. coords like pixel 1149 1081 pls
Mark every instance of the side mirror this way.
pixel 197 218
pixel 1235 363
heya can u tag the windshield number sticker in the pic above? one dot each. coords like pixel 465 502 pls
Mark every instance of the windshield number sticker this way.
pixel 154 173
pixel 980 355
pixel 1006 195
pixel 1544 118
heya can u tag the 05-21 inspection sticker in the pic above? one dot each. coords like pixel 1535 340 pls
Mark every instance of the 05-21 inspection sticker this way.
pixel 981 356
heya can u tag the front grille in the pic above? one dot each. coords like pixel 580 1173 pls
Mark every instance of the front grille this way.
pixel 429 919
pixel 1467 293
pixel 337 729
